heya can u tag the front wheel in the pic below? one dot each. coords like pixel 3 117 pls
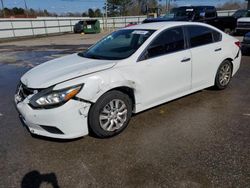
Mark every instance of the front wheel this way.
pixel 110 115
pixel 224 75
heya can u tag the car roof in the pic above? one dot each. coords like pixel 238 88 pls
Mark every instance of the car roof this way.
pixel 162 25
pixel 196 7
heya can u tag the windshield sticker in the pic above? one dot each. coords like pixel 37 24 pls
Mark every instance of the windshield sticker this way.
pixel 189 10
pixel 140 32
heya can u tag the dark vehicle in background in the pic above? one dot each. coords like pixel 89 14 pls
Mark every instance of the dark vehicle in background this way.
pixel 245 45
pixel 241 13
pixel 243 24
pixel 78 27
pixel 87 26
pixel 205 14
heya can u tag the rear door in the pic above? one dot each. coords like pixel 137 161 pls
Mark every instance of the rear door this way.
pixel 207 53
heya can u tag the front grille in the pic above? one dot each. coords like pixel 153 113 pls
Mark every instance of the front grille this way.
pixel 23 91
pixel 243 24
pixel 26 91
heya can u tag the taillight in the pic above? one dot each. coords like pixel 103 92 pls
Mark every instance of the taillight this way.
pixel 237 43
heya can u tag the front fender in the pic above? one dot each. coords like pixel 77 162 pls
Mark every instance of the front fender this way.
pixel 95 85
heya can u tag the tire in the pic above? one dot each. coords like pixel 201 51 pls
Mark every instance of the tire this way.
pixel 105 121
pixel 223 75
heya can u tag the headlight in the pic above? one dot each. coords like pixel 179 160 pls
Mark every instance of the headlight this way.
pixel 50 98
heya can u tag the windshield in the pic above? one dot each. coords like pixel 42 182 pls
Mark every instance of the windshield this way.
pixel 180 12
pixel 240 13
pixel 118 45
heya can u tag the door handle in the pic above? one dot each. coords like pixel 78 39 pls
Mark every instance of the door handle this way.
pixel 218 49
pixel 185 60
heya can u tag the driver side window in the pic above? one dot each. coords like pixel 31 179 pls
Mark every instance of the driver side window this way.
pixel 169 41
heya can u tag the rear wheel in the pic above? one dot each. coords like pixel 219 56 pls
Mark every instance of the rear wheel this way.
pixel 224 75
pixel 110 115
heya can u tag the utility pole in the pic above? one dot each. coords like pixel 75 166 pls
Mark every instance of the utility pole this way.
pixel 168 5
pixel 3 8
pixel 106 15
pixel 26 9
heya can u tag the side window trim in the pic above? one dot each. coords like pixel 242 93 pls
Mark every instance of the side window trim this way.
pixel 144 51
pixel 214 38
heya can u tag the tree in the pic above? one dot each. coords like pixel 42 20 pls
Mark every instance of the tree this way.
pixel 32 12
pixel 98 13
pixel 91 12
pixel 45 12
pixel 139 7
pixel 232 5
pixel 84 14
pixel 119 7
pixel 7 11
pixel 17 11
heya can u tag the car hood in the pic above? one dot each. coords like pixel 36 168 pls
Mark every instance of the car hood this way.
pixel 63 69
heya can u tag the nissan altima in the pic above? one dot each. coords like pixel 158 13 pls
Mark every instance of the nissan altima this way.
pixel 128 71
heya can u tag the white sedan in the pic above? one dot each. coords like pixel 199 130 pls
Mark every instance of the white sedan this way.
pixel 128 71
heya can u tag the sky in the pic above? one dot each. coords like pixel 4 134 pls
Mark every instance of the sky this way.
pixel 63 6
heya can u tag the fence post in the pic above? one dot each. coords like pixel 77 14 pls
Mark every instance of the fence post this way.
pixel 32 28
pixel 13 31
pixel 113 23
pixel 59 25
pixel 71 28
pixel 103 22
pixel 125 21
pixel 45 27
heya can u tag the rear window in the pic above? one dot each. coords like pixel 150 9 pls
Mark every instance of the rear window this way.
pixel 200 35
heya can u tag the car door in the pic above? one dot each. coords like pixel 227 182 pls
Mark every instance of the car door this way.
pixel 164 68
pixel 206 49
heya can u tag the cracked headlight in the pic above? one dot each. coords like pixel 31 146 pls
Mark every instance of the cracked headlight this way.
pixel 52 98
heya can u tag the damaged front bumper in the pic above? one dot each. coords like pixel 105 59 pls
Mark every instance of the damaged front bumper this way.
pixel 65 122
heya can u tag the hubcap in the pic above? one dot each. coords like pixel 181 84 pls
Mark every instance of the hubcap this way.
pixel 225 74
pixel 113 115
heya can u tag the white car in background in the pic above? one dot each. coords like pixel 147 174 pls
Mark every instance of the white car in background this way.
pixel 129 71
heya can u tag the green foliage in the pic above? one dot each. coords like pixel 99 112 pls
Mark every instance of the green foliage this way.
pixel 119 7
pixel 98 13
pixel 91 12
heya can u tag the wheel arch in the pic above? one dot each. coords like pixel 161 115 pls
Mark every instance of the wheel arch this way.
pixel 231 62
pixel 128 91
pixel 216 75
pixel 226 59
pixel 124 89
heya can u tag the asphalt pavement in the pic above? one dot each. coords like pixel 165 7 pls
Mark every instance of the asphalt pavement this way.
pixel 201 140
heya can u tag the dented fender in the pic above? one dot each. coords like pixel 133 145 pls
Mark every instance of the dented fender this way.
pixel 95 85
